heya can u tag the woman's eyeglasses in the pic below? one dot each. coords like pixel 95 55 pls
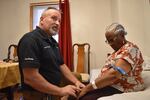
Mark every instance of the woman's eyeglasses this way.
pixel 111 41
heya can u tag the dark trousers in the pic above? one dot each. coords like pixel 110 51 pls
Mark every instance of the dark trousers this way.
pixel 35 95
pixel 95 94
pixel 7 93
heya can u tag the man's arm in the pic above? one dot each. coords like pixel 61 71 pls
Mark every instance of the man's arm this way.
pixel 33 78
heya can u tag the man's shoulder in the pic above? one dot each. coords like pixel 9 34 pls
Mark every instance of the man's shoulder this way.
pixel 27 38
pixel 31 35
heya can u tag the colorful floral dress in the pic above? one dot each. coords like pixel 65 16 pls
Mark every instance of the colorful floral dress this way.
pixel 133 81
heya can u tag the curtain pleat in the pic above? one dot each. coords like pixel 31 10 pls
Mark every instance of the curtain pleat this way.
pixel 65 37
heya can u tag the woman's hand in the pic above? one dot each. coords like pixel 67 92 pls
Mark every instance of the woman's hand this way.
pixel 83 92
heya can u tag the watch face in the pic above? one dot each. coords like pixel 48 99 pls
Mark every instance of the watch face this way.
pixel 94 85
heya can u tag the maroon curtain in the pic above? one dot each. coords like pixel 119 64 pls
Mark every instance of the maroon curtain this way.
pixel 65 38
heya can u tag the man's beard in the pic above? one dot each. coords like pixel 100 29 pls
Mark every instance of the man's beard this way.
pixel 53 30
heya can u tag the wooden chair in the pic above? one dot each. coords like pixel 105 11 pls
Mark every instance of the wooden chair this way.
pixel 8 92
pixel 81 60
pixel 12 54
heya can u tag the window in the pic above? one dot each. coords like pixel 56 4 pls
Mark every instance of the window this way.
pixel 36 10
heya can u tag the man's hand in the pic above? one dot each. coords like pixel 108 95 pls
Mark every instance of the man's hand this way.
pixel 79 85
pixel 69 90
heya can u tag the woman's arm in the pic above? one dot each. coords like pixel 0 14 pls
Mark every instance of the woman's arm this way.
pixel 109 77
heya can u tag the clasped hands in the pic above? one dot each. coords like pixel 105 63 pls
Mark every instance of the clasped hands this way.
pixel 74 92
pixel 80 90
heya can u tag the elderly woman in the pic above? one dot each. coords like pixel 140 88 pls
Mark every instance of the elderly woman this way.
pixel 122 70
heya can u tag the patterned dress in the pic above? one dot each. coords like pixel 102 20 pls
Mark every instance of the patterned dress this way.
pixel 133 81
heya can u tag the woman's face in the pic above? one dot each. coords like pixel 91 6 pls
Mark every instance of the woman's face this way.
pixel 114 40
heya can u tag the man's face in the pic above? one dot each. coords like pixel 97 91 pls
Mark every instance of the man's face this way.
pixel 51 21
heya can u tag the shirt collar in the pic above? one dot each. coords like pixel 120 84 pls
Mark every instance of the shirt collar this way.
pixel 44 36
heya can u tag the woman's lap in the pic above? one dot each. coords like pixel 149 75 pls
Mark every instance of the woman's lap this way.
pixel 95 94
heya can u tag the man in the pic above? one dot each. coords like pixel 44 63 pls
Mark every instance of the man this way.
pixel 122 70
pixel 41 63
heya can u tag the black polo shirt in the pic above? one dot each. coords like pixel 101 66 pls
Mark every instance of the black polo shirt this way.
pixel 37 50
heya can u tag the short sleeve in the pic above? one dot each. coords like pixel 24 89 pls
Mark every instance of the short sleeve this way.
pixel 28 53
pixel 131 54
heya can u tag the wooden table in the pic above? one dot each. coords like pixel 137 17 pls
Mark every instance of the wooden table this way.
pixel 9 77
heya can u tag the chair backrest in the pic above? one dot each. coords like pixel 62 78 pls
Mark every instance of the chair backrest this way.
pixel 81 58
pixel 12 49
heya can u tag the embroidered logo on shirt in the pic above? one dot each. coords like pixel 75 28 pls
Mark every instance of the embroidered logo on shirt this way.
pixel 28 59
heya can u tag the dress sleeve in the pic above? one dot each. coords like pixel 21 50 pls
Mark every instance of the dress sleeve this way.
pixel 132 55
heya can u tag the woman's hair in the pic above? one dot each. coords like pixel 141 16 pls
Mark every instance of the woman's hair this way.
pixel 116 28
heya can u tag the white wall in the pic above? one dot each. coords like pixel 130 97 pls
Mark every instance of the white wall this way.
pixel 89 19
pixel 14 20
pixel 134 14
pixel 147 27
pixel 131 14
